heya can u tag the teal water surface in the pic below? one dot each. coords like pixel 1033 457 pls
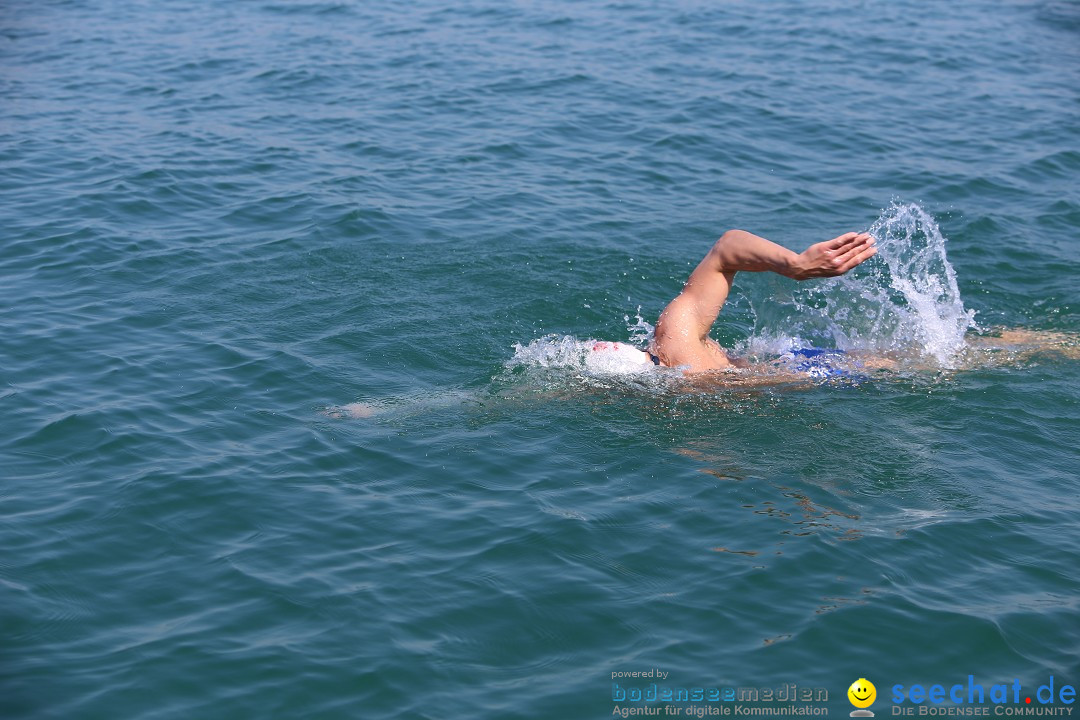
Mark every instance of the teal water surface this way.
pixel 294 422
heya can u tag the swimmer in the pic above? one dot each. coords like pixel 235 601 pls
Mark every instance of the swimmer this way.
pixel 681 338
pixel 682 332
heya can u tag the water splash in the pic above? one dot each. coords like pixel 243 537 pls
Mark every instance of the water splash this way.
pixel 641 332
pixel 917 279
pixel 903 302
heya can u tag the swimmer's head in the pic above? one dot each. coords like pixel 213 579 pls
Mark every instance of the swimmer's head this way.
pixel 617 358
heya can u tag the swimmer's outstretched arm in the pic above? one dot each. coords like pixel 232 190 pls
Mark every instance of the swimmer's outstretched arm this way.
pixel 682 332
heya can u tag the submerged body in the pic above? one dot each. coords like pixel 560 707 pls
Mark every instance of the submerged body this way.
pixel 797 365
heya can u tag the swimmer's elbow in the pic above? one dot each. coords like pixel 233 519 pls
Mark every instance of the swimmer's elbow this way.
pixel 726 248
pixel 729 238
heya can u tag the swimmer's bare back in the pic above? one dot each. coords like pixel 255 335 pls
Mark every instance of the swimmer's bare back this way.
pixel 682 332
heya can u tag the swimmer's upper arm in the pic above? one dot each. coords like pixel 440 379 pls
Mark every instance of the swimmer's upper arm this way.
pixel 706 292
pixel 709 285
pixel 682 332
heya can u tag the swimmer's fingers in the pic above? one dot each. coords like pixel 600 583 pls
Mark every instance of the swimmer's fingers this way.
pixel 842 242
pixel 859 259
pixel 847 246
pixel 850 241
pixel 855 254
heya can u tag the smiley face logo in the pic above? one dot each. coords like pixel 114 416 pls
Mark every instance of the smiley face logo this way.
pixel 862 693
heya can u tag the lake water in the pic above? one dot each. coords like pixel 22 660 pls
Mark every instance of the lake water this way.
pixel 298 413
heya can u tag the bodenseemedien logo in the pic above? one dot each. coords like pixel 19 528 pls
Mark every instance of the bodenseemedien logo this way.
pixel 862 694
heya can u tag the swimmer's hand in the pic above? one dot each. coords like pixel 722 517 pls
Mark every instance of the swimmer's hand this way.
pixel 832 257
